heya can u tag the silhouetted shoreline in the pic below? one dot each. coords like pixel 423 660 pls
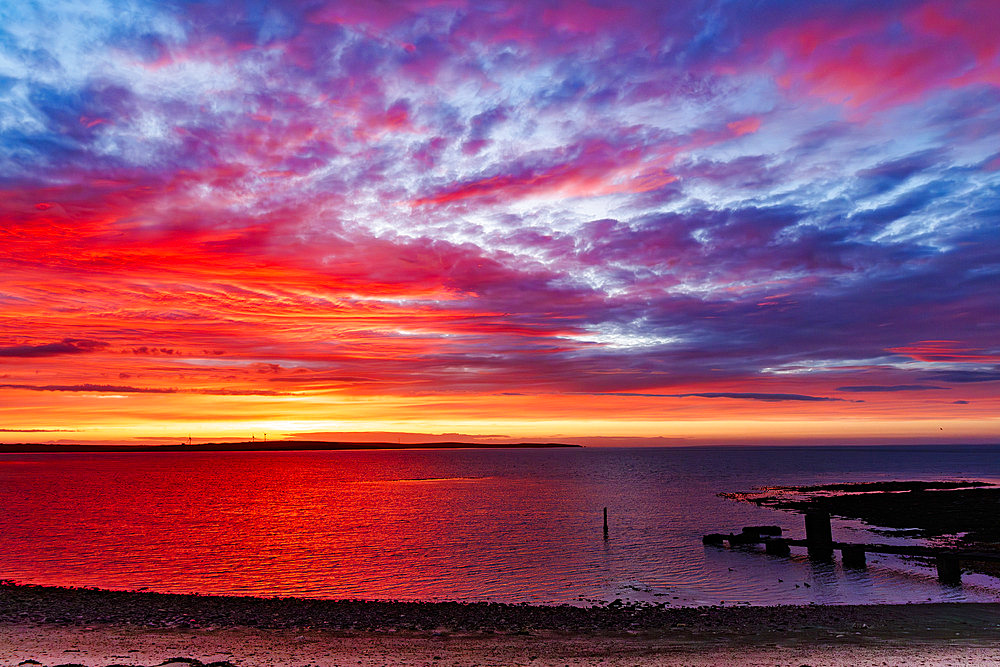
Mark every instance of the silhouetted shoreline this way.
pixel 262 446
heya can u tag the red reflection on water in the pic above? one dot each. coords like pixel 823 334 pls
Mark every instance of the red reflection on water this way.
pixel 290 524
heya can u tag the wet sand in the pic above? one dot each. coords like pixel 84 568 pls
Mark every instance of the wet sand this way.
pixel 56 626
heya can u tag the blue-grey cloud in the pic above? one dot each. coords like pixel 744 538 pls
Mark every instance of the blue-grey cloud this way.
pixel 752 396
pixel 962 376
pixel 891 388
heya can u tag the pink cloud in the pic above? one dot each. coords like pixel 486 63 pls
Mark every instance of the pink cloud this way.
pixel 594 168
pixel 743 126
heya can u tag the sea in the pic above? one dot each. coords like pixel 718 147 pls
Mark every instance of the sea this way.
pixel 502 525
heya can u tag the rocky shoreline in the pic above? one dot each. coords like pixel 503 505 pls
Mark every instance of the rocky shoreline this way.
pixel 45 605
pixel 42 625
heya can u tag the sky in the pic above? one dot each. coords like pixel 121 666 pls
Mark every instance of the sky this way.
pixel 653 222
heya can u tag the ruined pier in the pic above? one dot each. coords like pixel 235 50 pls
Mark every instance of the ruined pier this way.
pixel 820 546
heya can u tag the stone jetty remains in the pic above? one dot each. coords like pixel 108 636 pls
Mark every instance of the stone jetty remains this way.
pixel 820 545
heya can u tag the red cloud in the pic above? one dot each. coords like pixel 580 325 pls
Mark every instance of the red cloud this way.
pixel 875 60
pixel 947 351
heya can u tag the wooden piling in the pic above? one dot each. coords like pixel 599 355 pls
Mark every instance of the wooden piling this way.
pixel 819 536
pixel 605 523
pixel 949 570
pixel 854 556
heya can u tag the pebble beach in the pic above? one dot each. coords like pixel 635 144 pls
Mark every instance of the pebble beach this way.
pixel 52 626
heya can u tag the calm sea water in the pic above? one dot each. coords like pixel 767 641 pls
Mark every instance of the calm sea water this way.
pixel 502 525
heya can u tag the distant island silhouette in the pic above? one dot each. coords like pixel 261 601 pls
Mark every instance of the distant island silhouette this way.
pixel 268 446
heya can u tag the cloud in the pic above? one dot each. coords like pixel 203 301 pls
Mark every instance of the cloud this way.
pixel 37 430
pixel 66 346
pixel 885 56
pixel 961 376
pixel 96 388
pixel 891 388
pixel 751 396
pixel 945 351
pixel 125 389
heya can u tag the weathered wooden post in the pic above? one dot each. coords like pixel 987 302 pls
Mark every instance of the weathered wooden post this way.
pixel 854 556
pixel 819 536
pixel 605 523
pixel 949 570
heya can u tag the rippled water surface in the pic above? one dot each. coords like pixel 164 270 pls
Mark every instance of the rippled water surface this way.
pixel 505 525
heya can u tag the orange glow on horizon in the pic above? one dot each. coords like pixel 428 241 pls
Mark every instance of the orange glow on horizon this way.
pixel 148 417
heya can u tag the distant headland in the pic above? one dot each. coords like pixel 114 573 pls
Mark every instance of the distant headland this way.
pixel 268 446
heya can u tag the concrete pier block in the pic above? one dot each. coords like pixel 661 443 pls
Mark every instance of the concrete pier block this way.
pixel 777 548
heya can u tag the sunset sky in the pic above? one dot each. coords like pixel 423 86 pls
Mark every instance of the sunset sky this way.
pixel 690 221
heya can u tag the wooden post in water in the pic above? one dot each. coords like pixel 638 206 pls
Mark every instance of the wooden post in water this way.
pixel 854 556
pixel 605 523
pixel 819 536
pixel 949 570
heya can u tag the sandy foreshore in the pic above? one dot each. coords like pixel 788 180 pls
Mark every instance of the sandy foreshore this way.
pixel 57 626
